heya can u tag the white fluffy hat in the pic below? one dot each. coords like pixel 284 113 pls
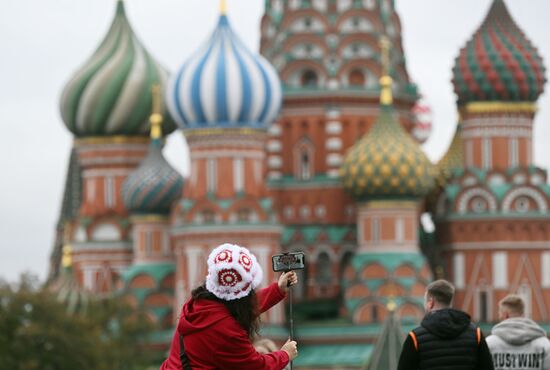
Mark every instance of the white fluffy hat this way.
pixel 232 272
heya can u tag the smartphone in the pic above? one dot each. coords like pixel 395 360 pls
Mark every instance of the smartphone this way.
pixel 288 261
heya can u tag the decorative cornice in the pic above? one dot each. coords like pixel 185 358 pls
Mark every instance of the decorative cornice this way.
pixel 149 218
pixel 386 204
pixel 501 107
pixel 223 228
pixel 107 140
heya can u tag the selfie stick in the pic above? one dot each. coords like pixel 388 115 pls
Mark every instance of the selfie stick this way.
pixel 291 315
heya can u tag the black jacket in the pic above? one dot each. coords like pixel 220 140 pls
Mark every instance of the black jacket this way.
pixel 445 340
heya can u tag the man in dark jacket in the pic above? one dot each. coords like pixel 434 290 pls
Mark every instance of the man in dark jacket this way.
pixel 446 339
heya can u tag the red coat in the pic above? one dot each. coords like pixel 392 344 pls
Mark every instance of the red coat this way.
pixel 213 339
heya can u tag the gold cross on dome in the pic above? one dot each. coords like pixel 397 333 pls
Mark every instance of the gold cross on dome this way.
pixel 156 114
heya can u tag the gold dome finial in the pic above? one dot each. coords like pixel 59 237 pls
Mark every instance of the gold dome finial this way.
pixel 391 305
pixel 67 259
pixel 386 97
pixel 223 7
pixel 156 115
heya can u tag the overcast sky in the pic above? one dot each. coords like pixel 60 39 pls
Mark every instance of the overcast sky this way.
pixel 42 42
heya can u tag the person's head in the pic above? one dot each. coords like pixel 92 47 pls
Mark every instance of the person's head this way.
pixel 233 274
pixel 439 294
pixel 265 346
pixel 511 306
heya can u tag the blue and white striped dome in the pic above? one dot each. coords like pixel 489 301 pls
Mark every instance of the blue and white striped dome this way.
pixel 224 85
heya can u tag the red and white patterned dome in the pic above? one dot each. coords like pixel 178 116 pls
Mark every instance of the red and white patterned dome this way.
pixel 232 272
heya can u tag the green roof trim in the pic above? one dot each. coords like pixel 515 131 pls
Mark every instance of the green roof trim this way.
pixel 317 180
pixel 390 261
pixel 266 204
pixel 353 304
pixel 160 312
pixel 156 271
pixel 499 191
pixel 311 233
pixel 315 356
pixel 224 203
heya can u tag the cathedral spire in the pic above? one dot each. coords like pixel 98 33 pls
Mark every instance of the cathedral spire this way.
pixel 156 115
pixel 386 96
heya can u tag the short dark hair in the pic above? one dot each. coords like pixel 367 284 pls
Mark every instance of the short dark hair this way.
pixel 442 291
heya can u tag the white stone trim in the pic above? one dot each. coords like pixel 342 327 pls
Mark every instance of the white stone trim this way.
pixel 333 143
pixel 274 130
pixel 103 172
pixel 238 174
pixel 480 192
pixel 333 173
pixel 211 175
pixel 513 152
pixel 333 127
pixel 486 153
pixel 334 159
pixel 510 132
pixel 459 271
pixel 500 270
pixel 468 246
pixel 545 269
pixel 274 162
pixel 469 152
pixel 274 146
pixel 252 154
pixel 275 175
pixel 539 199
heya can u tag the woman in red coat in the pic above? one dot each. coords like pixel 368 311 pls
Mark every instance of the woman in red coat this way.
pixel 218 324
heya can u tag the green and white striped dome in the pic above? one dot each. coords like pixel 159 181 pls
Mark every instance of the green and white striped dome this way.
pixel 111 93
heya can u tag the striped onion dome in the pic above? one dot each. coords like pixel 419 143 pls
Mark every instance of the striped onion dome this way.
pixel 387 162
pixel 111 93
pixel 224 85
pixel 154 185
pixel 66 288
pixel 498 63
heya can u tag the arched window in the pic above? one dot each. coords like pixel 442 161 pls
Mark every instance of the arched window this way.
pixel 303 154
pixel 208 216
pixel 323 268
pixel 483 307
pixel 356 78
pixel 243 215
pixel 309 78
pixel 305 165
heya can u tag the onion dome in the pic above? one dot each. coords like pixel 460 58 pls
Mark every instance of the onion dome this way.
pixel 67 290
pixel 452 159
pixel 153 187
pixel 111 93
pixel 224 85
pixel 387 162
pixel 498 63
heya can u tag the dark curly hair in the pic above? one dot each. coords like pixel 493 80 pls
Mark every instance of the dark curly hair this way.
pixel 245 310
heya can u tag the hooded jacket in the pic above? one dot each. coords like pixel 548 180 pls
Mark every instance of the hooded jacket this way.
pixel 520 344
pixel 446 339
pixel 213 339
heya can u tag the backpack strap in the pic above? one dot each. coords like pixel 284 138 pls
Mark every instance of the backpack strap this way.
pixel 415 341
pixel 478 335
pixel 185 365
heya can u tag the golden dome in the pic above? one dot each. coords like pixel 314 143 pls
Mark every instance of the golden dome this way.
pixel 387 162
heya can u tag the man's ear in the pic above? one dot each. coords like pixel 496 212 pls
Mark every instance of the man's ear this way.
pixel 432 302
